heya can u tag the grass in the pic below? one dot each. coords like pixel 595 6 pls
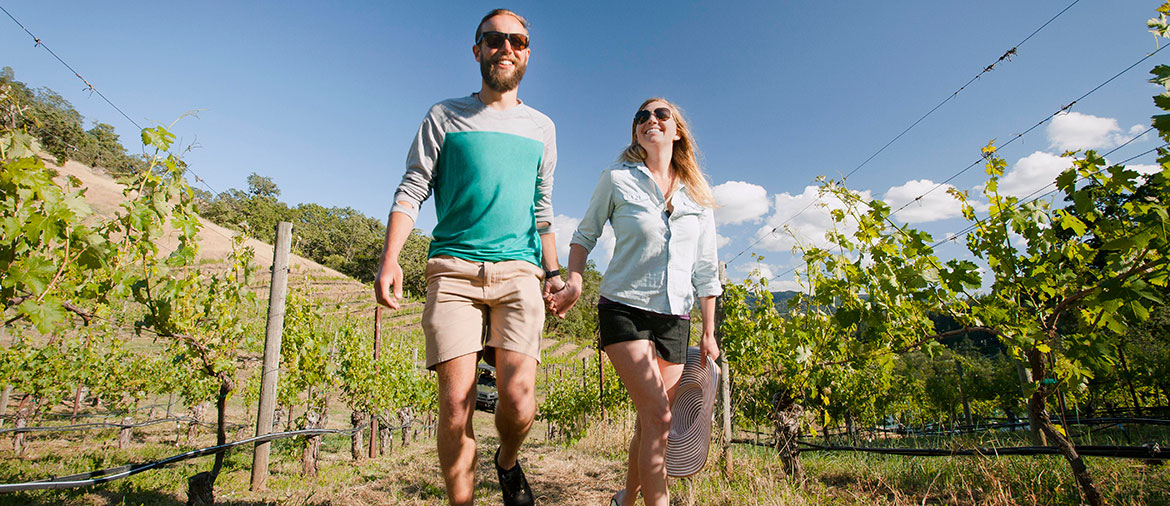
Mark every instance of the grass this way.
pixel 848 478
pixel 584 473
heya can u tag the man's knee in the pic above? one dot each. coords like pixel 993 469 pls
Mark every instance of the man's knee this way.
pixel 517 401
pixel 456 410
pixel 457 405
pixel 516 382
pixel 517 391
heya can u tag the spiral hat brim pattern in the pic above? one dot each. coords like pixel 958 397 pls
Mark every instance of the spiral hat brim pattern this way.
pixel 690 425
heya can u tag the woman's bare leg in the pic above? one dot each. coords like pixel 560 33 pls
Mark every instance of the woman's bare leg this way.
pixel 651 383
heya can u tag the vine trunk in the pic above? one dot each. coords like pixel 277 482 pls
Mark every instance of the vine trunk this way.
pixel 1037 411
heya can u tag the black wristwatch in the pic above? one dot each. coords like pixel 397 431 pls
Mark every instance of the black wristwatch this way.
pixel 552 274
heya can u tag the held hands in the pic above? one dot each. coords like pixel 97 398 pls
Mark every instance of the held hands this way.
pixel 560 296
pixel 552 285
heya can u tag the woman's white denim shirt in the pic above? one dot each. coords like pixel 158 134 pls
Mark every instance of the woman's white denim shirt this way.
pixel 660 262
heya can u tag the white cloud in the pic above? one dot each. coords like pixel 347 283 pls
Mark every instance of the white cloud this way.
pixel 795 220
pixel 721 241
pixel 768 273
pixel 604 248
pixel 1075 131
pixel 1032 173
pixel 563 228
pixel 1145 169
pixel 762 271
pixel 1019 242
pixel 1137 129
pixel 751 268
pixel 933 206
pixel 786 285
pixel 739 202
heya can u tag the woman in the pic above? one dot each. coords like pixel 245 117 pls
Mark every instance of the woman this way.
pixel 661 209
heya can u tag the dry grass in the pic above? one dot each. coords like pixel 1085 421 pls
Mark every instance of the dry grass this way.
pixel 105 196
pixel 584 473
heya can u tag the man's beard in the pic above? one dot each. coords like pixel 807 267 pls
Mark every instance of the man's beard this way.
pixel 497 79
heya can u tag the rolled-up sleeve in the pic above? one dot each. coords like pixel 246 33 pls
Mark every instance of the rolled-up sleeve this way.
pixel 706 275
pixel 599 211
pixel 420 166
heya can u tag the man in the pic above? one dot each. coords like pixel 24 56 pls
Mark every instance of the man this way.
pixel 489 160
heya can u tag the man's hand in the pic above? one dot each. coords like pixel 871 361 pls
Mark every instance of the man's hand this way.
pixel 389 278
pixel 551 286
pixel 389 272
pixel 562 300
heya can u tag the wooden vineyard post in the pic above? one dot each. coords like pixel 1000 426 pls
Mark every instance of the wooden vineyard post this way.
pixel 724 379
pixel 548 426
pixel 377 353
pixel 601 381
pixel 277 291
pixel 76 401
pixel 584 387
pixel 77 394
pixel 4 402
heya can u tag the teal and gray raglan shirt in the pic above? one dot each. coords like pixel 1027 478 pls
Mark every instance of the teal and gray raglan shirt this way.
pixel 491 172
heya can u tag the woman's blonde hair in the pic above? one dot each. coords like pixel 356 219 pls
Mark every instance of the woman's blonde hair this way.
pixel 684 158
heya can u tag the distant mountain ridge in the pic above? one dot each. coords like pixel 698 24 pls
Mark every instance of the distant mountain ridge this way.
pixel 982 341
pixel 780 299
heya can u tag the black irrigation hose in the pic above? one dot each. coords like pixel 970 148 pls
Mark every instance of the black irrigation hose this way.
pixel 1147 452
pixel 115 473
pixel 970 429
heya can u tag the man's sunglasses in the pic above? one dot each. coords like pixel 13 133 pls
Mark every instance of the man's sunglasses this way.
pixel 662 113
pixel 495 40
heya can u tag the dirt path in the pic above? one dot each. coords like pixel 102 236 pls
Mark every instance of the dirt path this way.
pixel 559 474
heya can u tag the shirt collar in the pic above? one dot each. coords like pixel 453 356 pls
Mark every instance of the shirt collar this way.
pixel 646 171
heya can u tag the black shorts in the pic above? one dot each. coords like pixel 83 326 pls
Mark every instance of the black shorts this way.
pixel 618 323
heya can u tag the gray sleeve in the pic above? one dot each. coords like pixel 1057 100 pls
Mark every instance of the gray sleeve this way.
pixel 420 165
pixel 544 180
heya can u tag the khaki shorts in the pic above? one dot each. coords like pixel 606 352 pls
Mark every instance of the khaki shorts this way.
pixel 470 304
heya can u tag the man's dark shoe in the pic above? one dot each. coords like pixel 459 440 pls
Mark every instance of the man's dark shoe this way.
pixel 513 483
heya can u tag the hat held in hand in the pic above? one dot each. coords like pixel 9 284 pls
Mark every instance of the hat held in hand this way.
pixel 690 424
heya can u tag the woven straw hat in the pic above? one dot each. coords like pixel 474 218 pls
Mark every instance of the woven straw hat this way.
pixel 690 424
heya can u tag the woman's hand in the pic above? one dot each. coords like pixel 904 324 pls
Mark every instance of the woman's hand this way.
pixel 708 347
pixel 561 301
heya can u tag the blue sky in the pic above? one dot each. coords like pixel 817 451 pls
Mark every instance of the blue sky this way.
pixel 325 97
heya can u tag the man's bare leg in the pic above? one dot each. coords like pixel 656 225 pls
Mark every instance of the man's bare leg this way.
pixel 456 436
pixel 515 383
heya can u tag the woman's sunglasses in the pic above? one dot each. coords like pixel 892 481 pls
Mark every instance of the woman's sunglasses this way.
pixel 662 113
pixel 495 40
